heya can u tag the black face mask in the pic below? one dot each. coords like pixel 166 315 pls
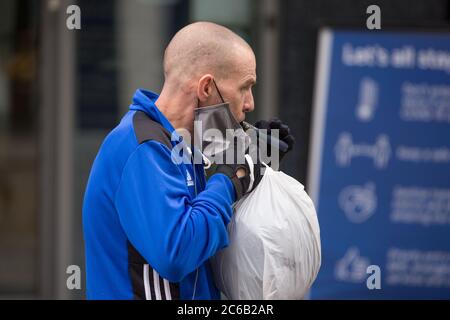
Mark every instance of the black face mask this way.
pixel 220 118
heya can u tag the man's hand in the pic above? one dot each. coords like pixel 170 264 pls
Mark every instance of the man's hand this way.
pixel 245 177
pixel 284 134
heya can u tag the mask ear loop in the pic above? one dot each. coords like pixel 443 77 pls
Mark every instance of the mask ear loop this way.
pixel 218 91
pixel 207 162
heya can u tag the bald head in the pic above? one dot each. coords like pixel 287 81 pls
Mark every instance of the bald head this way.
pixel 203 47
pixel 201 58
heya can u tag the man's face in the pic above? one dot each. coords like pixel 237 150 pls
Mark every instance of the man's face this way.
pixel 236 89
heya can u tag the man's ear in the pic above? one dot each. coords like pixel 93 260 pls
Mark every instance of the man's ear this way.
pixel 205 88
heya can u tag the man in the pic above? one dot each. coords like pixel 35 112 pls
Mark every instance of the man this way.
pixel 151 224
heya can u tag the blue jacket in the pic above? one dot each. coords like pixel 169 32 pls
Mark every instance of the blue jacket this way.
pixel 151 225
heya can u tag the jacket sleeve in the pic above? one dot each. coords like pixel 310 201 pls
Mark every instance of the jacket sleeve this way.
pixel 172 232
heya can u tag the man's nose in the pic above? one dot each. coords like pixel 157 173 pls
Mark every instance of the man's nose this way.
pixel 249 104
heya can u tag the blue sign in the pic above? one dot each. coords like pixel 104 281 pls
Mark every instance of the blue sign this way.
pixel 379 170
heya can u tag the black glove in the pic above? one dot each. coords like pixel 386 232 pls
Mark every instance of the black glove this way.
pixel 253 169
pixel 284 134
pixel 244 184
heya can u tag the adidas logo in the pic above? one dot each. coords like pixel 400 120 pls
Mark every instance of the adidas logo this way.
pixel 189 180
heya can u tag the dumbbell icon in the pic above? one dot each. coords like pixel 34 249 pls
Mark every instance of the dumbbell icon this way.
pixel 346 150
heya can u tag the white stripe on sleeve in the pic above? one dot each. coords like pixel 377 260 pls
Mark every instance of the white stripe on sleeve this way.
pixel 148 292
pixel 156 284
pixel 167 289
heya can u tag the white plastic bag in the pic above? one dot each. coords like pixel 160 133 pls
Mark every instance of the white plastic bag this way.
pixel 274 250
